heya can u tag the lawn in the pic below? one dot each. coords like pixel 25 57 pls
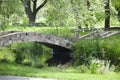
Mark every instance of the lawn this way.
pixel 53 72
pixel 64 31
pixel 61 31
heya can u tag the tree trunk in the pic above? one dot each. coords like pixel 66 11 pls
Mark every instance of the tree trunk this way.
pixel 31 9
pixel 107 14
pixel 30 14
pixel 32 18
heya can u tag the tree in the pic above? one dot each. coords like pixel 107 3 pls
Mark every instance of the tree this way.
pixel 57 13
pixel 79 13
pixel 87 12
pixel 7 9
pixel 76 9
pixel 32 9
pixel 107 14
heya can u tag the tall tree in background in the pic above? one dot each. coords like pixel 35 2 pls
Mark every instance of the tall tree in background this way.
pixel 79 13
pixel 7 9
pixel 31 9
pixel 76 10
pixel 107 14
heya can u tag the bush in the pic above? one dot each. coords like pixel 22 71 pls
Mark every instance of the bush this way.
pixel 82 69
pixel 19 58
pixel 6 55
pixel 96 66
pixel 30 53
pixel 83 51
pixel 93 68
pixel 108 49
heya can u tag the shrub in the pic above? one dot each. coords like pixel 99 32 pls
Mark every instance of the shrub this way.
pixel 83 51
pixel 108 49
pixel 111 49
pixel 82 69
pixel 93 68
pixel 6 55
pixel 96 66
pixel 19 58
pixel 27 52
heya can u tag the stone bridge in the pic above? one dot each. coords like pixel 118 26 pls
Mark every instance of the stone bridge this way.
pixel 61 46
pixel 57 43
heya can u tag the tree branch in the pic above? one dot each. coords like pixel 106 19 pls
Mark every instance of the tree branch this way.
pixel 41 5
pixel 88 4
pixel 34 5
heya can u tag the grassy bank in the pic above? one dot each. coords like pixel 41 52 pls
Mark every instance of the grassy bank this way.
pixel 53 72
pixel 61 31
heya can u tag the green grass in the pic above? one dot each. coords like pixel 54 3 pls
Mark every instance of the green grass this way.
pixel 62 31
pixel 52 72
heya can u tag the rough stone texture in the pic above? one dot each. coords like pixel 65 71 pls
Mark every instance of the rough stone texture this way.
pixel 108 34
pixel 59 44
pixel 52 41
pixel 8 32
pixel 99 34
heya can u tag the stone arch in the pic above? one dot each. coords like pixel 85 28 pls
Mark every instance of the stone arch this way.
pixel 52 41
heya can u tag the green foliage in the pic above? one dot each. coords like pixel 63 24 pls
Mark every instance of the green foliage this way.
pixel 93 68
pixel 75 13
pixel 7 9
pixel 60 13
pixel 116 3
pixel 101 48
pixel 6 55
pixel 82 69
pixel 111 47
pixel 31 53
pixel 56 13
pixel 19 58
pixel 97 66
pixel 84 50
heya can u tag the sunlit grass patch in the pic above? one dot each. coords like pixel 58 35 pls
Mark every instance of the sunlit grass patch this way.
pixel 52 72
pixel 61 31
